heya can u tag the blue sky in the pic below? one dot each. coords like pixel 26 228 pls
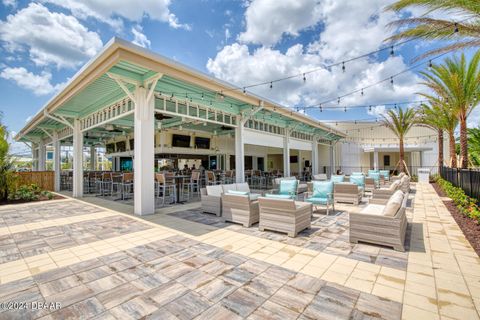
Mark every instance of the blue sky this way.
pixel 44 43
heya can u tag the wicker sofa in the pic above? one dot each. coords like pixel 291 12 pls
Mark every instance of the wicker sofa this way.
pixel 241 209
pixel 284 215
pixel 211 196
pixel 347 192
pixel 381 224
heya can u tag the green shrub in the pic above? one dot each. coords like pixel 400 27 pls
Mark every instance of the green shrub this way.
pixel 464 203
pixel 30 192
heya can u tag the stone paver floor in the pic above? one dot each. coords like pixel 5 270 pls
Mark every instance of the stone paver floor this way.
pixel 103 264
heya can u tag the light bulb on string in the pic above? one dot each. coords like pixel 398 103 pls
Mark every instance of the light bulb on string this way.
pixel 345 109
pixel 456 27
pixel 304 78
pixel 391 81
pixel 271 85
pixel 321 109
pixel 244 90
pixel 203 96
pixel 369 108
pixel 392 52
pixel 338 100
pixel 430 65
pixel 343 66
pixel 361 92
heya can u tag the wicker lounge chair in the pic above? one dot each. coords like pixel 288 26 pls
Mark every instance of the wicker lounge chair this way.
pixel 284 215
pixel 211 199
pixel 320 177
pixel 381 224
pixel 347 192
pixel 240 208
pixel 405 184
pixel 370 184
pixel 381 196
pixel 301 187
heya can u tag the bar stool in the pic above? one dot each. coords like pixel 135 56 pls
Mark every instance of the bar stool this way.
pixel 193 185
pixel 163 186
pixel 211 178
pixel 127 185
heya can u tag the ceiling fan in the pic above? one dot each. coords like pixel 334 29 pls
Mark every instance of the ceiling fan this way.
pixel 161 116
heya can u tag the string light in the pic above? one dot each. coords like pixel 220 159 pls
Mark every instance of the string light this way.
pixel 345 109
pixel 338 100
pixel 271 85
pixel 362 92
pixel 366 55
pixel 430 65
pixel 244 91
pixel 321 109
pixel 304 78
pixel 392 52
pixel 456 28
pixel 391 81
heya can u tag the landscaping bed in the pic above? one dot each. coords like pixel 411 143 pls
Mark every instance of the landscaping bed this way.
pixel 469 226
pixel 42 198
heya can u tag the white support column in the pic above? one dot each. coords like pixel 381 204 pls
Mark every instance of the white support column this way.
pixel 239 151
pixel 286 154
pixel 57 165
pixel 93 158
pixel 77 160
pixel 144 153
pixel 34 157
pixel 42 155
pixel 314 156
pixel 375 160
pixel 332 159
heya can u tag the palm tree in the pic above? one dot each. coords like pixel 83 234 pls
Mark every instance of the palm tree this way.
pixel 458 83
pixel 438 115
pixel 466 32
pixel 6 163
pixel 474 145
pixel 400 122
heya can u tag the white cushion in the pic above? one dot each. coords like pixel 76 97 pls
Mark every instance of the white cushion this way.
pixel 215 190
pixel 393 204
pixel 375 209
pixel 394 185
pixel 243 187
pixel 226 187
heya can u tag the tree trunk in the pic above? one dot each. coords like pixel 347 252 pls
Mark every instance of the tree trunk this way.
pixel 402 156
pixel 440 149
pixel 463 141
pixel 451 148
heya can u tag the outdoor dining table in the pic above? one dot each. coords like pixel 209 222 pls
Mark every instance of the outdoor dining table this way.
pixel 178 179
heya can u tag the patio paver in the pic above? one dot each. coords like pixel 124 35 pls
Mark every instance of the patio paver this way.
pixel 178 268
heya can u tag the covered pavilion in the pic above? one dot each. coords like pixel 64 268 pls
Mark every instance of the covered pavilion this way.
pixel 130 94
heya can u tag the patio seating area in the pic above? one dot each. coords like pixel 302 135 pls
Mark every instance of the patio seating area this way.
pixel 186 264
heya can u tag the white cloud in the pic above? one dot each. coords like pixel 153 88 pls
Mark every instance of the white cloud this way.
pixel 268 20
pixel 110 11
pixel 10 3
pixel 340 38
pixel 139 37
pixel 48 37
pixel 377 111
pixel 39 84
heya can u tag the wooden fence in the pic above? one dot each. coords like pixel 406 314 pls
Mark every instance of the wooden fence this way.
pixel 44 179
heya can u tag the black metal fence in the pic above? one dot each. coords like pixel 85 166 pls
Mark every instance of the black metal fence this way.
pixel 467 179
pixel 413 170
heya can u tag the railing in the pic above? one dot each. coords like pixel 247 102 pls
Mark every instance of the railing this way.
pixel 467 179
pixel 43 179
pixel 349 169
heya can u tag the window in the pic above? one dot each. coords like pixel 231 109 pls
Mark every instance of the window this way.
pixel 386 160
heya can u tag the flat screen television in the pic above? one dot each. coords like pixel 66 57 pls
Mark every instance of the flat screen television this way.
pixel 110 148
pixel 121 146
pixel 202 143
pixel 132 144
pixel 126 164
pixel 180 141
pixel 293 159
